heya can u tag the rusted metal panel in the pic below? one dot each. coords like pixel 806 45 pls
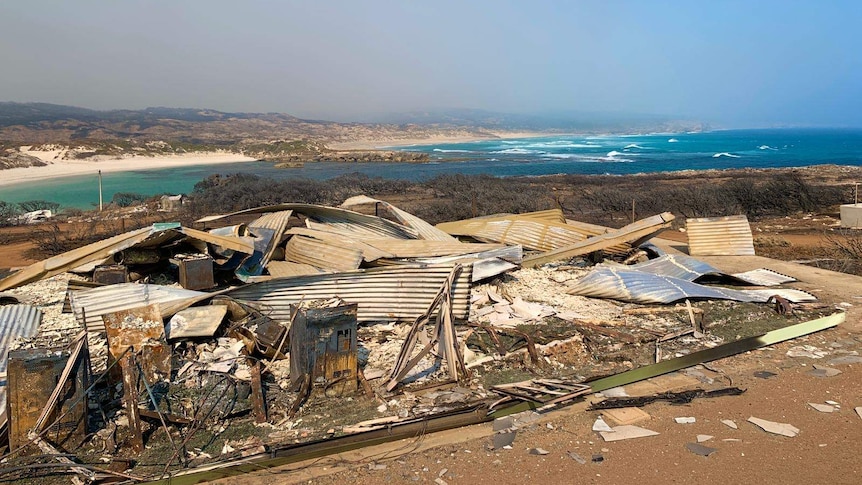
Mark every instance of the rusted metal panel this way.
pixel 424 229
pixel 196 271
pixel 143 330
pixel 89 306
pixel 646 288
pixel 719 236
pixel 398 293
pixel 32 377
pixel 111 274
pixel 322 254
pixel 323 344
pixel 637 231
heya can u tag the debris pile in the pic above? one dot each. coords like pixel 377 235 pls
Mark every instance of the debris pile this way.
pixel 296 325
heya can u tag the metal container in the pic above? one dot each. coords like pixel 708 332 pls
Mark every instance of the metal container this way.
pixel 111 274
pixel 196 272
pixel 323 344
pixel 32 376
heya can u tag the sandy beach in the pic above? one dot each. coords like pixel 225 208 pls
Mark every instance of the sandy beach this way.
pixel 67 168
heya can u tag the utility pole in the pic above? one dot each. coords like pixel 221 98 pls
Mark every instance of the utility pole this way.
pixel 100 191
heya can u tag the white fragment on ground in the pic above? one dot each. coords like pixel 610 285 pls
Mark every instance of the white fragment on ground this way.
pixel 601 425
pixel 685 420
pixel 783 429
pixel 859 411
pixel 729 423
pixel 823 408
pixel 809 351
pixel 704 437
pixel 626 432
pixel 615 392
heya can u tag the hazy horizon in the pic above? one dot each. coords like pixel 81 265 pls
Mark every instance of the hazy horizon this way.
pixel 730 64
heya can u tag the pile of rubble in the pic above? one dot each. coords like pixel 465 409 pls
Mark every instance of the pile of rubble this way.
pixel 158 350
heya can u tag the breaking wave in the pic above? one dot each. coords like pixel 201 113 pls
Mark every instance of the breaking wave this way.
pixel 613 153
pixel 585 158
pixel 633 145
pixel 673 140
pixel 725 154
pixel 766 147
pixel 519 151
pixel 555 145
pixel 441 150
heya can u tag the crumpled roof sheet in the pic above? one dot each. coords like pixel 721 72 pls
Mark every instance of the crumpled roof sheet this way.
pixel 276 222
pixel 340 220
pixel 323 254
pixel 154 236
pixel 89 306
pixel 691 269
pixel 399 293
pixel 423 229
pixel 282 269
pixel 15 321
pixel 719 236
pixel 646 288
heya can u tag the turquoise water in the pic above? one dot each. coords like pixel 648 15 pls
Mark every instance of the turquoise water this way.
pixel 513 157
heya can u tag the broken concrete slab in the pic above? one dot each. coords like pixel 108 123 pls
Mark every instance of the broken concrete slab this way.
pixel 699 449
pixel 783 429
pixel 626 432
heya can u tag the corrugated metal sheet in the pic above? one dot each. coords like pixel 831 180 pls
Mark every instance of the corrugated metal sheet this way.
pixel 369 253
pixel 326 255
pixel 276 222
pixel 719 236
pixel 282 269
pixel 691 269
pixel 646 288
pixel 415 248
pixel 764 277
pixel 113 298
pixel 634 232
pixel 423 229
pixel 486 264
pixel 383 294
pixel 345 220
pixel 16 321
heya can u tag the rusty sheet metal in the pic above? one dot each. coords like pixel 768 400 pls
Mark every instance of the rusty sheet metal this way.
pixel 691 269
pixel 383 294
pixel 322 254
pixel 283 269
pixel 156 235
pixel 143 330
pixel 538 235
pixel 414 248
pixel 89 306
pixel 719 236
pixel 645 288
pixel 635 232
pixel 340 219
pixel 423 228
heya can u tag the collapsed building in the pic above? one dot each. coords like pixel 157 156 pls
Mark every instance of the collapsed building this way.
pixel 270 333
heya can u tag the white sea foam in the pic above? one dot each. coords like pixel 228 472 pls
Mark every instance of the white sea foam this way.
pixel 613 153
pixel 556 145
pixel 441 150
pixel 766 147
pixel 673 140
pixel 519 151
pixel 585 158
pixel 725 154
pixel 634 145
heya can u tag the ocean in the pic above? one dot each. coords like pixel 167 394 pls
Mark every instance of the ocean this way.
pixel 581 154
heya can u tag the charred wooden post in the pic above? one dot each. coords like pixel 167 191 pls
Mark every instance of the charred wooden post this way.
pixel 323 346
pixel 130 397
pixel 258 401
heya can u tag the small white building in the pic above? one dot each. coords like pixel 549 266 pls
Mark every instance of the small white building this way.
pixel 34 217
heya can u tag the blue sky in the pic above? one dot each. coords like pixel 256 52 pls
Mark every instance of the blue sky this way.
pixel 733 64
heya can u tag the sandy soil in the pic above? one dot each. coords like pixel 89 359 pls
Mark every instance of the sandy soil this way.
pixel 430 140
pixel 66 168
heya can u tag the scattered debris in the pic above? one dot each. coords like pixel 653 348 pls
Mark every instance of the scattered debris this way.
pixel 823 408
pixel 538 451
pixel 846 359
pixel 699 449
pixel 822 371
pixel 704 437
pixel 764 374
pixel 681 397
pixel 809 351
pixel 782 429
pixel 629 415
pixel 858 410
pixel 601 425
pixel 578 458
pixel 685 420
pixel 729 423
